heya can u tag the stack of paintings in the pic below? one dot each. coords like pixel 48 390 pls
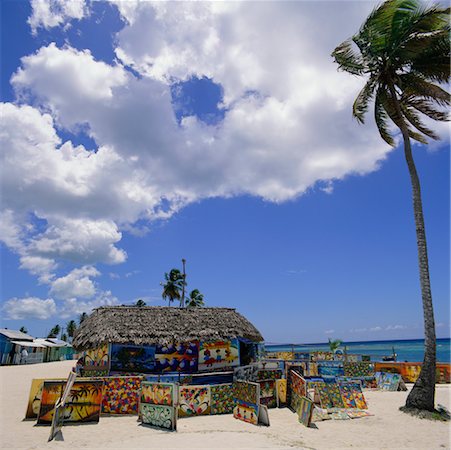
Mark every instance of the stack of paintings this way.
pixel 296 389
pixel 157 405
pixel 352 395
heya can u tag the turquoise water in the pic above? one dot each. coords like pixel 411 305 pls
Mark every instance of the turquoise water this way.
pixel 407 350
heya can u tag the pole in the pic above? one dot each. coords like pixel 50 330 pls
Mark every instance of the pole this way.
pixel 184 282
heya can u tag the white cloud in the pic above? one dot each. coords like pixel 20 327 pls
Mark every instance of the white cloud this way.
pixel 72 307
pixel 329 331
pixel 53 13
pixel 396 327
pixel 376 328
pixel 29 308
pixel 76 284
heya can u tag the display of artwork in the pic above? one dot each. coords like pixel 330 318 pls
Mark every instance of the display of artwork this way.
pixel 246 391
pixel 194 401
pixel 159 416
pixel 320 414
pixel 305 410
pixel 352 358
pixel 219 354
pixel 330 369
pixel 322 356
pixel 132 358
pixel 268 395
pixel 121 395
pixel 285 355
pixel 158 393
pixel 246 373
pixel 221 399
pixel 358 369
pixel 281 390
pixel 305 356
pixel 245 411
pixel 388 381
pixel 352 395
pixel 83 403
pixel 34 398
pixel 269 374
pixel 313 369
pixel 180 357
pixel 296 383
pixel 96 361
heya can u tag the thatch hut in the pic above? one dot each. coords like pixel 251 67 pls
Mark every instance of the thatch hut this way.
pixel 131 339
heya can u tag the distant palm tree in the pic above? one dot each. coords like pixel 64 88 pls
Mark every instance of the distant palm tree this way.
pixel 64 337
pixel 195 300
pixel 173 286
pixel 23 330
pixel 140 303
pixel 83 316
pixel 334 344
pixel 54 332
pixel 403 50
pixel 71 327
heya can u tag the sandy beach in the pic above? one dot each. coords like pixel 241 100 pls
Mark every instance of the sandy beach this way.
pixel 387 429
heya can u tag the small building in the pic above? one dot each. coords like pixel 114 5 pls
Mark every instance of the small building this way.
pixel 13 342
pixel 55 349
pixel 160 340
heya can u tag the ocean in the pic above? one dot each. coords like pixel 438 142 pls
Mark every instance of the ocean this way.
pixel 408 350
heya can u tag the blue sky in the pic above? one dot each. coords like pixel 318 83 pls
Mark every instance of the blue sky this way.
pixel 138 136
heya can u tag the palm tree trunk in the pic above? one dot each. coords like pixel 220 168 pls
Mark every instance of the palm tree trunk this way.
pixel 422 395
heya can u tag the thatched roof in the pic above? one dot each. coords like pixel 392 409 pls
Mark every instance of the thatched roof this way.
pixel 161 324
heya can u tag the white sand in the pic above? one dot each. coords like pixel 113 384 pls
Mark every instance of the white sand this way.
pixel 388 429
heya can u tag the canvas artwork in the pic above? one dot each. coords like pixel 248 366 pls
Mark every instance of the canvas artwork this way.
pixel 180 357
pixel 357 413
pixel 330 369
pixel 246 411
pixel 268 395
pixel 388 381
pixel 285 355
pixel 121 395
pixel 352 395
pixel 269 374
pixel 158 393
pixel 352 358
pixel 443 373
pixel 246 391
pixel 96 361
pixel 303 356
pixel 194 401
pixel 132 358
pixel 313 369
pixel 334 393
pixel 83 403
pixel 319 414
pixel 305 410
pixel 340 415
pixel 159 416
pixel 322 356
pixel 34 398
pixel 358 369
pixel 221 398
pixel 296 383
pixel 323 393
pixel 281 390
pixel 246 373
pixel 299 367
pixel 219 354
pixel 295 401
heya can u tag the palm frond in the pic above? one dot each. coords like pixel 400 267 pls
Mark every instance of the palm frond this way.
pixel 414 119
pixel 381 118
pixel 427 108
pixel 360 106
pixel 347 59
pixel 416 86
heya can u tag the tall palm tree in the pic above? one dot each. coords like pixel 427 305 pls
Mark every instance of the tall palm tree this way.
pixel 54 331
pixel 83 316
pixel 140 303
pixel 23 330
pixel 173 285
pixel 71 327
pixel 195 300
pixel 403 49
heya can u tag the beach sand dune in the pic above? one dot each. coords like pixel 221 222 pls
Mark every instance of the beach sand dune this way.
pixel 387 429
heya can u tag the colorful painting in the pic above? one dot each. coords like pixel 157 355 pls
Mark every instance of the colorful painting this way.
pixel 297 383
pixel 305 411
pixel 352 395
pixel 357 413
pixel 96 361
pixel 443 373
pixel 132 358
pixel 180 357
pixel 358 369
pixel 352 358
pixel 323 393
pixel 158 393
pixel 281 389
pixel 322 356
pixel 268 395
pixel 269 374
pixel 295 401
pixel 246 411
pixel 159 416
pixel 313 369
pixel 330 369
pixel 319 414
pixel 388 381
pixel 34 398
pixel 194 401
pixel 121 395
pixel 246 373
pixel 219 354
pixel 246 391
pixel 304 356
pixel 83 403
pixel 221 398
pixel 285 355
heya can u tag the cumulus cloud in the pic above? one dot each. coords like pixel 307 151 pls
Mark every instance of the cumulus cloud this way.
pixel 29 308
pixel 329 331
pixel 77 284
pixel 378 328
pixel 72 307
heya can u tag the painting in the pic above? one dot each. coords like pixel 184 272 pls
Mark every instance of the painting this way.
pixel 297 383
pixel 159 416
pixel 330 369
pixel 83 403
pixel 194 401
pixel 313 369
pixel 443 373
pixel 221 398
pixel 34 398
pixel 303 356
pixel 268 395
pixel 132 358
pixel 121 395
pixel 180 357
pixel 96 361
pixel 295 401
pixel 352 395
pixel 285 355
pixel 352 358
pixel 246 373
pixel 388 381
pixel 357 413
pixel 319 414
pixel 329 395
pixel 322 356
pixel 247 391
pixel 219 354
pixel 305 410
pixel 246 411
pixel 358 369
pixel 158 393
pixel 281 390
pixel 269 374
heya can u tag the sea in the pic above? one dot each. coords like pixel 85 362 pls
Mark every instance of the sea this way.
pixel 411 350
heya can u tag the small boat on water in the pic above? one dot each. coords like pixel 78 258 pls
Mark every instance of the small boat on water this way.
pixel 391 357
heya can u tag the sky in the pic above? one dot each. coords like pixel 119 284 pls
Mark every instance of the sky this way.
pixel 135 134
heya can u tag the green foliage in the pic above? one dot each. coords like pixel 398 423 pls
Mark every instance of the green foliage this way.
pixel 140 303
pixel 83 316
pixel 23 330
pixel 196 299
pixel 334 344
pixel 54 332
pixel 71 327
pixel 173 286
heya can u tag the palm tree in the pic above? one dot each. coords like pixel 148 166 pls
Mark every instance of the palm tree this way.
pixel 140 303
pixel 403 49
pixel 173 285
pixel 54 331
pixel 334 344
pixel 64 337
pixel 71 327
pixel 83 316
pixel 195 300
pixel 23 330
